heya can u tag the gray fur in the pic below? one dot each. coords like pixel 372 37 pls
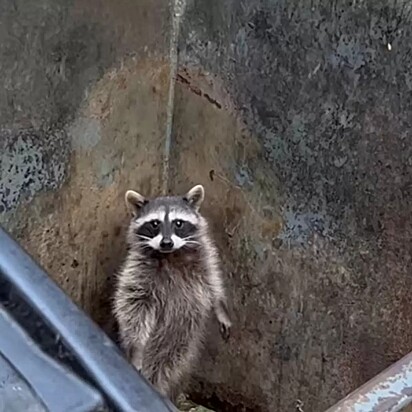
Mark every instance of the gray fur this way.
pixel 163 300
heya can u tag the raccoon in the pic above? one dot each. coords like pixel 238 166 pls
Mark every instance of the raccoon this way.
pixel 168 286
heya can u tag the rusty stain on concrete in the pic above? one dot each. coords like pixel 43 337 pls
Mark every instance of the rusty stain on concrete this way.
pixel 210 144
pixel 77 235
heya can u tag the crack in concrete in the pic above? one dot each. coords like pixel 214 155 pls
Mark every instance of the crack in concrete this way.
pixel 196 90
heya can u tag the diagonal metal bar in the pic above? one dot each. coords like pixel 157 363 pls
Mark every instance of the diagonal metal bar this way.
pixel 390 391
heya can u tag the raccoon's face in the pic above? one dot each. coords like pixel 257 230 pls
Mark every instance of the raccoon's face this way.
pixel 166 224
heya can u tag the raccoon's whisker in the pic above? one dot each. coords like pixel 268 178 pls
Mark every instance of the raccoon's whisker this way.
pixel 191 243
pixel 144 237
pixel 189 238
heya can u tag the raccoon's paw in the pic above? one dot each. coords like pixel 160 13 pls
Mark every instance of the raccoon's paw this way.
pixel 225 330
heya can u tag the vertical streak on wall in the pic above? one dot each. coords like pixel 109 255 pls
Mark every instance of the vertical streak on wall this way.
pixel 178 12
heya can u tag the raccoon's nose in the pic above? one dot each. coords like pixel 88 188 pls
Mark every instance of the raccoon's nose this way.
pixel 166 243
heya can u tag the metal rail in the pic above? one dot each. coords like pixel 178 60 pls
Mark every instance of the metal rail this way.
pixel 390 391
pixel 121 384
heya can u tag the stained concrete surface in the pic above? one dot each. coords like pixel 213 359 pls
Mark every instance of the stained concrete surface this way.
pixel 82 120
pixel 296 118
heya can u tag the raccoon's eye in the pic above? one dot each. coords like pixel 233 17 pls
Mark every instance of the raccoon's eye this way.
pixel 178 223
pixel 155 223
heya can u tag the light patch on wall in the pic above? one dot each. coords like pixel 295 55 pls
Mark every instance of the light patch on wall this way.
pixel 300 226
pixel 84 133
pixel 30 161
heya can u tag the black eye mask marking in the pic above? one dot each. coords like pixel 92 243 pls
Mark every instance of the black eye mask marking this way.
pixel 183 228
pixel 149 229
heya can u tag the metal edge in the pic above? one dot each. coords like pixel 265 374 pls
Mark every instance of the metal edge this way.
pixel 390 391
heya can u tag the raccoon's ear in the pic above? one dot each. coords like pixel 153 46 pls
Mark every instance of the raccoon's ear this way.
pixel 195 196
pixel 134 202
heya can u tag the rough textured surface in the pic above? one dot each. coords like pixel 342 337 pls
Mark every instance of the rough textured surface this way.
pixel 323 89
pixel 295 115
pixel 31 161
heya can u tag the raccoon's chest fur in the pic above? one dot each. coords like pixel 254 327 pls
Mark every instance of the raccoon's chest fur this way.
pixel 181 291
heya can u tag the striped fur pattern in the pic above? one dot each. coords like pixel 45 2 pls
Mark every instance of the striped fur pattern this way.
pixel 167 288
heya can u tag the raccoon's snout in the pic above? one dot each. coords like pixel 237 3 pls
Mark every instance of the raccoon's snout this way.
pixel 166 244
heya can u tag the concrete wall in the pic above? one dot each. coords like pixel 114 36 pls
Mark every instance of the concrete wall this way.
pixel 304 115
pixel 295 115
pixel 83 109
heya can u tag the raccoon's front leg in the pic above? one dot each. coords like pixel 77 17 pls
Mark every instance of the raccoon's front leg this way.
pixel 135 326
pixel 133 340
pixel 218 295
pixel 169 355
pixel 136 356
pixel 222 316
